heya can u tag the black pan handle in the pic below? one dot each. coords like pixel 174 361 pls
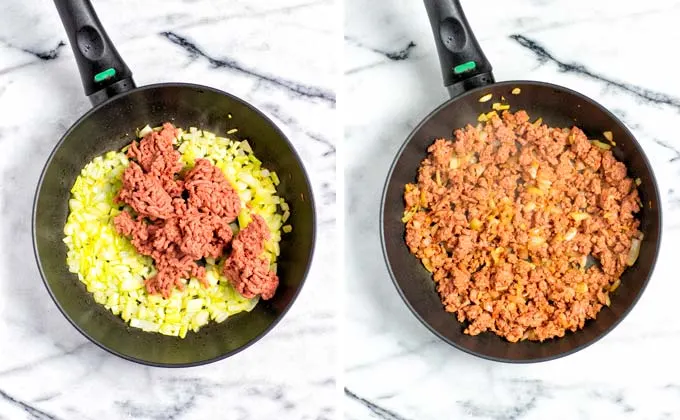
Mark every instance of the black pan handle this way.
pixel 464 65
pixel 103 72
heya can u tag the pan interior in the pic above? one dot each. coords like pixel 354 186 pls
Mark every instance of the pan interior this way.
pixel 112 126
pixel 559 107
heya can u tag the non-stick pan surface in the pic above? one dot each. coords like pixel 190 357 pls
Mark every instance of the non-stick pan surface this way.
pixel 559 107
pixel 110 126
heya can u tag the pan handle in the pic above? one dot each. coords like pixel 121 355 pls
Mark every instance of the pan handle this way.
pixel 463 63
pixel 103 72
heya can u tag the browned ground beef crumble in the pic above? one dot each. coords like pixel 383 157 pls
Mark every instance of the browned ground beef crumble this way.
pixel 526 228
pixel 179 220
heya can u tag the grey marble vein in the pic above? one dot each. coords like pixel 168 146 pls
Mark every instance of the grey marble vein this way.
pixel 399 354
pixel 675 151
pixel 278 112
pixel 592 18
pixel 184 393
pixel 378 411
pixel 394 55
pixel 294 87
pixel 37 362
pixel 642 93
pixel 42 55
pixel 253 14
pixel 391 56
pixel 520 408
pixel 320 139
pixel 616 398
pixel 31 410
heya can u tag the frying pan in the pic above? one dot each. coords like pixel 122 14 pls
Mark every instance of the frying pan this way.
pixel 119 108
pixel 468 76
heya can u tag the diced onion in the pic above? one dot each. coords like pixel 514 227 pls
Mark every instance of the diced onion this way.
pixel 571 234
pixel 634 252
pixel 145 131
pixel 427 264
pixel 408 214
pixel 603 146
pixel 533 170
pixel 536 241
pixel 486 98
pixel 491 114
pixel 579 216
pixel 544 184
pixel 476 224
pixel 453 163
pixel 144 325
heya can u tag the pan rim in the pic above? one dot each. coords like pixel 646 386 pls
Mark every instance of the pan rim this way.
pixel 312 203
pixel 520 84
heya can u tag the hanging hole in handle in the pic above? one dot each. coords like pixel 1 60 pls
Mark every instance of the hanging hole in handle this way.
pixel 452 34
pixel 90 43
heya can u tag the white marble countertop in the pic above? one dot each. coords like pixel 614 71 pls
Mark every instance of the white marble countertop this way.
pixel 620 54
pixel 272 54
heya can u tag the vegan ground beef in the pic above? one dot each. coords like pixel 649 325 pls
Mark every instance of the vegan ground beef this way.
pixel 180 220
pixel 526 228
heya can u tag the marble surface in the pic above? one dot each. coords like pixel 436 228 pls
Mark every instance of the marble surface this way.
pixel 618 53
pixel 272 54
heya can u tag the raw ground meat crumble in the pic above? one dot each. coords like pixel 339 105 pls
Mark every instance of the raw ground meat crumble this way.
pixel 178 221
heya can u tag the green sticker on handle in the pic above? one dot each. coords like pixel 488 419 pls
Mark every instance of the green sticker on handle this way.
pixel 106 74
pixel 462 68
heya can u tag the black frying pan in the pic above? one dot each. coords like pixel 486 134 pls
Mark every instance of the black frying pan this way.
pixel 468 76
pixel 119 108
